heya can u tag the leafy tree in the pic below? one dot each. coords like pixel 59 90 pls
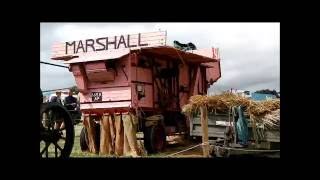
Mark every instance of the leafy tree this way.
pixel 75 89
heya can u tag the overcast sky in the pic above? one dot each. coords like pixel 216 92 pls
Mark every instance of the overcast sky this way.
pixel 250 52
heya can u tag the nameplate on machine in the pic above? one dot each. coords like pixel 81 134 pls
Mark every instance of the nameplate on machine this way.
pixel 106 44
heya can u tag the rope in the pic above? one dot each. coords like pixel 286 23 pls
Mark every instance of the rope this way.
pixel 249 150
pixel 229 148
pixel 180 57
pixel 202 144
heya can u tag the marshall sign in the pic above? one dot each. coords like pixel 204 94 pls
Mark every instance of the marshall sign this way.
pixel 106 44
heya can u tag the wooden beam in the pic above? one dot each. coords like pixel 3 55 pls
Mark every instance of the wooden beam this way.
pixel 193 80
pixel 162 57
pixel 203 80
pixel 204 125
pixel 152 74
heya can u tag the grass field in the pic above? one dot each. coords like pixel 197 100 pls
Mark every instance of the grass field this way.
pixel 173 146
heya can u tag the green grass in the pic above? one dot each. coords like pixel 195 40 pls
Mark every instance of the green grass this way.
pixel 76 151
pixel 170 149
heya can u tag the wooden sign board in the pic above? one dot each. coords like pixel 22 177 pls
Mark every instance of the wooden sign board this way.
pixel 109 44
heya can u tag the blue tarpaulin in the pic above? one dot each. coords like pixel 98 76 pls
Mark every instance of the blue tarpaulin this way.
pixel 242 127
pixel 261 97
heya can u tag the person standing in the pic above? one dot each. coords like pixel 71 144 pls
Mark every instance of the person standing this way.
pixel 56 98
pixel 57 117
pixel 70 102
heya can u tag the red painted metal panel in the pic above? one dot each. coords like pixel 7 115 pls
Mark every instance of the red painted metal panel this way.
pixel 183 97
pixel 108 94
pixel 101 75
pixel 106 106
pixel 95 65
pixel 141 74
pixel 80 77
pixel 120 76
pixel 213 73
pixel 184 76
pixel 145 101
pixel 175 54
pixel 97 72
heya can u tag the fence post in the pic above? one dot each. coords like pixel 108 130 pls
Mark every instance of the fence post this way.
pixel 204 125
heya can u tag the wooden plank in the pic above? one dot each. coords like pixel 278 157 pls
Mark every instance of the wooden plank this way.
pixel 62 52
pixel 152 39
pixel 191 124
pixel 254 128
pixel 213 131
pixel 205 137
pixel 93 56
pixel 62 46
pixel 212 120
pixel 159 35
pixel 98 48
pixel 193 80
pixel 272 136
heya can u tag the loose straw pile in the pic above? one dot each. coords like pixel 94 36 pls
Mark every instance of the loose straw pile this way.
pixel 266 112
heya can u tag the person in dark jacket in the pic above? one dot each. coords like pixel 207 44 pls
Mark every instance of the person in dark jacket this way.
pixel 57 98
pixel 58 118
pixel 70 102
